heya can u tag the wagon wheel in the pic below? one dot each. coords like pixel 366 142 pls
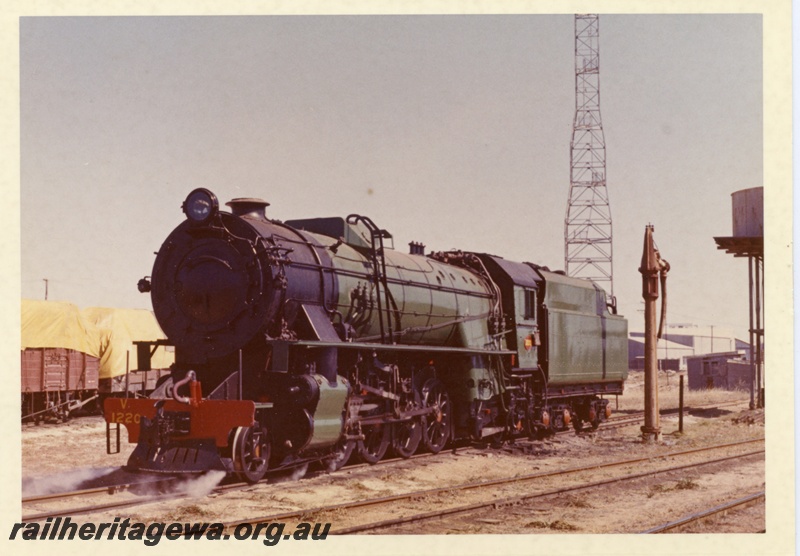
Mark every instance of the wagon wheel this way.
pixel 251 452
pixel 64 413
pixel 375 443
pixel 435 425
pixel 407 436
pixel 341 454
pixel 591 417
pixel 595 419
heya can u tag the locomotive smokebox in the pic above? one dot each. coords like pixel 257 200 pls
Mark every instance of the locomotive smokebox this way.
pixel 216 283
pixel 248 206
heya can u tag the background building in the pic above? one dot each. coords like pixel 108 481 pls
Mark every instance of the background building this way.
pixel 682 341
pixel 719 370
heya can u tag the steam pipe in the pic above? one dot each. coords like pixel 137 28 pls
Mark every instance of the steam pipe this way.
pixel 183 399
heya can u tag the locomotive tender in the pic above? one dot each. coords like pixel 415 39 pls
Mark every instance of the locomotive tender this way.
pixel 307 340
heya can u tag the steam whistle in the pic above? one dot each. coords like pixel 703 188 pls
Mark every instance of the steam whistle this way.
pixel 654 277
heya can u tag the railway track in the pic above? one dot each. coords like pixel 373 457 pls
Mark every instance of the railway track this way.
pixel 711 512
pixel 372 506
pixel 173 483
pixel 170 488
pixel 109 490
pixel 624 419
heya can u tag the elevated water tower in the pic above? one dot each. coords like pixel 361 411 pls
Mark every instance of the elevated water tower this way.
pixel 748 241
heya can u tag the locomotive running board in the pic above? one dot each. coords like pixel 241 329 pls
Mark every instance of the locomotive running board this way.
pixel 404 347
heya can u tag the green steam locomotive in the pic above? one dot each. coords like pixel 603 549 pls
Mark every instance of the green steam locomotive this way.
pixel 314 340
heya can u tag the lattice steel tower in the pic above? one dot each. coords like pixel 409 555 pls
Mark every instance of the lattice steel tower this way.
pixel 587 227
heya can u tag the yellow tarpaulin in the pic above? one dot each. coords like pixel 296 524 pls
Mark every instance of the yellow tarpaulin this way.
pixel 56 324
pixel 125 326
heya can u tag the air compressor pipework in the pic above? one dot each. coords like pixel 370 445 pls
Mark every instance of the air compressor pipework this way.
pixel 195 391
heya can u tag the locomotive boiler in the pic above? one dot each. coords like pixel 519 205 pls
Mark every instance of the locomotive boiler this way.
pixel 308 340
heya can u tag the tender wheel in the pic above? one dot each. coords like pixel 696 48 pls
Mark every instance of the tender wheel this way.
pixel 251 452
pixel 591 417
pixel 435 425
pixel 341 454
pixel 375 443
pixel 407 436
pixel 596 415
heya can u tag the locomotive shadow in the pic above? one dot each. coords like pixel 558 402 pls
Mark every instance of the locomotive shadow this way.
pixel 711 413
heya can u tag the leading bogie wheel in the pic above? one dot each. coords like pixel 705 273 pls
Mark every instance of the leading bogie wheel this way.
pixel 251 451
pixel 341 455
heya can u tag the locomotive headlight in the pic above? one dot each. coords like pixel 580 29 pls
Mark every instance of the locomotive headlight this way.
pixel 200 206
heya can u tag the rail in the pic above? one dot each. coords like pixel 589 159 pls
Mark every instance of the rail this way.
pixel 516 480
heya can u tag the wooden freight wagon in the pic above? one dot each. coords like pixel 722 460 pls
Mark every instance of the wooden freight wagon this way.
pixel 60 360
pixel 57 381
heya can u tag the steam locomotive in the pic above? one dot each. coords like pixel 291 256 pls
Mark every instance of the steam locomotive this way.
pixel 309 340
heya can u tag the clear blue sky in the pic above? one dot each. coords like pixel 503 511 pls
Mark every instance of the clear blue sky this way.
pixel 449 130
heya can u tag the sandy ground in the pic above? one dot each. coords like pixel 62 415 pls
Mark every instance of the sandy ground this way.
pixel 77 450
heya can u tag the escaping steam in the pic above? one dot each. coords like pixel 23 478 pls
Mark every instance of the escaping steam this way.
pixel 62 482
pixel 202 485
pixel 295 474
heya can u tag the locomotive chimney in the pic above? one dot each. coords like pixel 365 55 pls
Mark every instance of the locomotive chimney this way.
pixel 246 206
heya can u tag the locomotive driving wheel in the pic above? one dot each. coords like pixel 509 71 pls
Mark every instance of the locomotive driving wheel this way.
pixel 375 443
pixel 436 424
pixel 407 436
pixel 251 453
